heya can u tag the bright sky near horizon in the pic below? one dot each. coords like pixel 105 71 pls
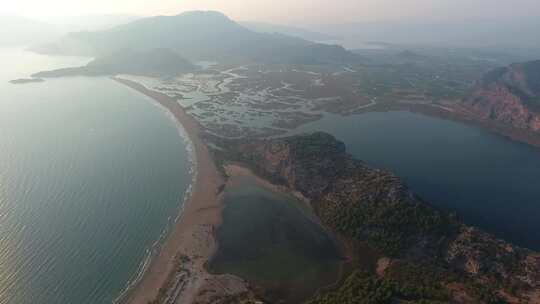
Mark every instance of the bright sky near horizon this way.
pixel 297 11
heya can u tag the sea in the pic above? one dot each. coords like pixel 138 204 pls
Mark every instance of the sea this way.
pixel 92 174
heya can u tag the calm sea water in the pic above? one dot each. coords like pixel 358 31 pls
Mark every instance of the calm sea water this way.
pixel 491 181
pixel 91 174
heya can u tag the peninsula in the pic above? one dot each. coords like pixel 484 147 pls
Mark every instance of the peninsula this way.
pixel 177 273
pixel 26 80
pixel 423 254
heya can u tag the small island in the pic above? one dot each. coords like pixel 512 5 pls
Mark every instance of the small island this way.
pixel 26 80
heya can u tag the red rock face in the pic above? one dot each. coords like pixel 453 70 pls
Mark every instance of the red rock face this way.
pixel 506 98
pixel 499 104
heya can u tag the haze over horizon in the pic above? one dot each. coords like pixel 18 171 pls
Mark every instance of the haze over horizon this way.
pixel 258 151
pixel 320 12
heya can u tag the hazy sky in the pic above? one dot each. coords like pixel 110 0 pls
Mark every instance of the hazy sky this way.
pixel 288 11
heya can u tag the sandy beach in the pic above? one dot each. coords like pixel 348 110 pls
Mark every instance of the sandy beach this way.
pixel 177 273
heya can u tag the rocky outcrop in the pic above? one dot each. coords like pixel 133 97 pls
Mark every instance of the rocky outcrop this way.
pixel 319 167
pixel 369 205
pixel 509 96
pixel 481 255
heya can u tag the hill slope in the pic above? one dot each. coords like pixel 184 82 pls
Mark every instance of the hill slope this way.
pixel 425 255
pixel 262 27
pixel 202 36
pixel 158 62
pixel 510 96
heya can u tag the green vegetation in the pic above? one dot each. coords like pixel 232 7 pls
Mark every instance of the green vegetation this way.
pixel 359 288
pixel 363 288
pixel 417 81
pixel 363 206
pixel 484 293
pixel 388 226
pixel 416 281
pixel 423 75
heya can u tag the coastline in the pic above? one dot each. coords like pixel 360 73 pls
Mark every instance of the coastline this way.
pixel 456 115
pixel 177 271
pixel 237 171
pixel 193 235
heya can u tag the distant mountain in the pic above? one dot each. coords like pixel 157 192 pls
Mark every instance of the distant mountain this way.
pixel 524 32
pixel 509 95
pixel 199 36
pixel 17 30
pixel 410 55
pixel 262 27
pixel 92 22
pixel 158 62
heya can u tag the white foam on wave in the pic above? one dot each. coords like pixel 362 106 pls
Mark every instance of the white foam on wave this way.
pixel 155 248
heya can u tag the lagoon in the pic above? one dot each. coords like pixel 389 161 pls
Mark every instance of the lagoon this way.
pixel 491 181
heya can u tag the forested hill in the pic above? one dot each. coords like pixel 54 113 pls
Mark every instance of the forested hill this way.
pixel 424 254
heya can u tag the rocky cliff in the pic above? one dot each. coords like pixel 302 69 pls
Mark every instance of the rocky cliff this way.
pixel 425 254
pixel 510 96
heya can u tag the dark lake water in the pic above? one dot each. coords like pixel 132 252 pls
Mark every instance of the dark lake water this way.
pixel 267 239
pixel 91 173
pixel 491 181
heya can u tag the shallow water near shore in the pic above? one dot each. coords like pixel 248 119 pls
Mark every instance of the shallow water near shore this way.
pixel 491 181
pixel 267 239
pixel 91 174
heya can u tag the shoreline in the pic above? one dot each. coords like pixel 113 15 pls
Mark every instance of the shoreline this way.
pixel 512 134
pixel 169 276
pixel 176 272
pixel 238 170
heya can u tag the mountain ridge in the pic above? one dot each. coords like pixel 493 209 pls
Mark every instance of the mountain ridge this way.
pixel 199 35
pixel 293 31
